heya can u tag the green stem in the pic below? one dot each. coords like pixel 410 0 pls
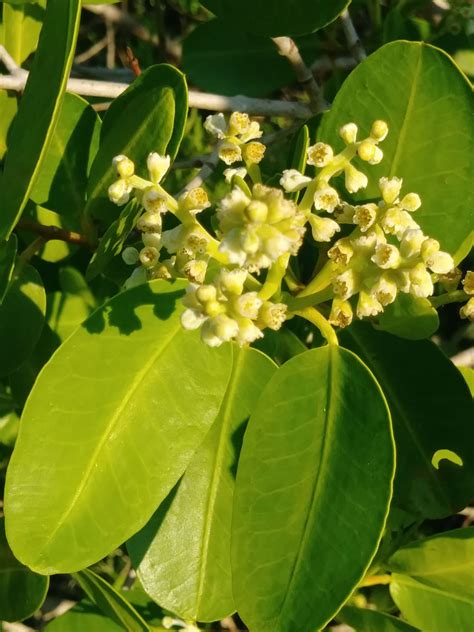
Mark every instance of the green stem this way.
pixel 274 278
pixel 317 319
pixel 254 172
pixel 457 296
pixel 320 282
pixel 375 580
pixel 300 302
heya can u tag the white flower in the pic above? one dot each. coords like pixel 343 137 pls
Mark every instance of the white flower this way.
pixel 341 313
pixel 348 133
pixel 248 305
pixel 230 152
pixel 390 189
pixel 421 284
pixel 323 228
pixel 365 216
pixel 149 256
pixel 386 256
pixel 153 201
pixel 440 262
pixel 248 332
pixel 272 315
pixel 411 242
pixel 385 290
pixel 326 199
pixel 396 222
pixel 346 284
pixel 232 281
pixel 367 150
pixel 240 172
pixel 368 305
pixel 119 192
pixel 379 130
pixel 320 154
pixel 252 133
pixel 377 157
pixel 157 166
pixel 253 152
pixel 130 256
pixel 195 270
pixel 149 222
pixel 208 335
pixel 216 125
pixel 123 166
pixel 224 327
pixel 239 123
pixel 354 179
pixel 194 201
pixel 342 252
pixel 292 180
pixel 192 319
pixel 152 239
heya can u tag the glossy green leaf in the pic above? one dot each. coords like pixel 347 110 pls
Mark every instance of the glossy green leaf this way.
pixel 53 250
pixel 430 608
pixel 365 620
pixel 41 104
pixel 431 410
pixel 62 180
pixel 183 553
pixel 409 317
pixel 8 108
pixel 21 28
pixel 112 242
pixel 21 591
pixel 427 103
pixel 444 561
pixel 83 617
pixel 110 601
pixel 468 375
pixel 111 424
pixel 280 345
pixel 277 17
pixel 149 116
pixel 221 45
pixel 21 319
pixel 312 492
pixel 7 263
pixel 66 312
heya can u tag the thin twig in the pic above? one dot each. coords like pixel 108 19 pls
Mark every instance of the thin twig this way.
pixel 204 173
pixel 111 49
pixel 133 62
pixel 287 48
pixel 353 41
pixel 92 51
pixel 10 64
pixel 31 250
pixel 121 18
pixel 48 233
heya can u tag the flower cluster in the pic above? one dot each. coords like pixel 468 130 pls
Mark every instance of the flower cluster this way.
pixel 467 310
pixel 236 138
pixel 383 250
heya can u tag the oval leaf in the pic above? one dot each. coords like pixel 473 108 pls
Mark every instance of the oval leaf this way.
pixel 277 17
pixel 111 424
pixel 312 491
pixel 7 263
pixel 21 319
pixel 425 145
pixel 26 153
pixel 365 620
pixel 431 410
pixel 149 116
pixel 185 566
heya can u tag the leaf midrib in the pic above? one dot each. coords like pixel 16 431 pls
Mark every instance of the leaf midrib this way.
pixel 108 431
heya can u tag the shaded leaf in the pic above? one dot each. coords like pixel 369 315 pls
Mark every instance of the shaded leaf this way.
pixel 409 317
pixel 365 620
pixel 7 263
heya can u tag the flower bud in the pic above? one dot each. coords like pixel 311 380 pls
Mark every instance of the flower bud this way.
pixel 390 189
pixel 386 256
pixel 152 239
pixel 411 242
pixel 421 284
pixel 157 166
pixel 130 256
pixel 119 192
pixel 366 150
pixel 292 180
pixel 379 130
pixel 348 133
pixel 149 222
pixel 208 334
pixel 411 202
pixel 248 305
pixel 326 199
pixel 195 270
pixel 248 332
pixel 230 153
pixel 206 293
pixel 232 281
pixel 377 157
pixel 123 166
pixel 368 305
pixel 272 315
pixel 429 247
pixel 354 179
pixel 253 152
pixel 224 327
pixel 216 125
pixel 467 310
pixel 440 262
pixel 323 228
pixel 256 211
pixel 320 154
pixel 192 319
pixel 341 313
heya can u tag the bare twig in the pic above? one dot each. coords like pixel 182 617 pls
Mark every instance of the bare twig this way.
pixel 111 49
pixel 48 233
pixel 92 51
pixel 287 48
pixel 355 45
pixel 204 173
pixel 133 62
pixel 10 64
pixel 325 64
pixel 113 14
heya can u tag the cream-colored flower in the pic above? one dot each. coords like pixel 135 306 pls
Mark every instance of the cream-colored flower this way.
pixel 292 180
pixel 323 228
pixel 124 167
pixel 341 313
pixel 354 179
pixel 119 192
pixel 348 133
pixel 390 189
pixel 468 283
pixel 326 199
pixel 157 166
pixel 320 155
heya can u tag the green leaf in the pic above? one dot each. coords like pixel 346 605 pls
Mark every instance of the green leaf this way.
pixel 21 319
pixel 149 116
pixel 62 181
pixel 7 263
pixel 409 317
pixel 468 375
pixel 66 312
pixel 137 393
pixel 426 101
pixel 8 108
pixel 196 518
pixel 280 345
pixel 221 45
pixel 40 104
pixel 312 492
pixel 21 591
pixel 430 608
pixel 83 617
pixel 110 601
pixel 277 17
pixel 431 410
pixel 21 28
pixel 365 620
pixel 113 240
pixel 53 250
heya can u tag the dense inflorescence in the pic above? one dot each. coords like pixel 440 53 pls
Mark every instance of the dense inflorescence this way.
pixel 381 251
